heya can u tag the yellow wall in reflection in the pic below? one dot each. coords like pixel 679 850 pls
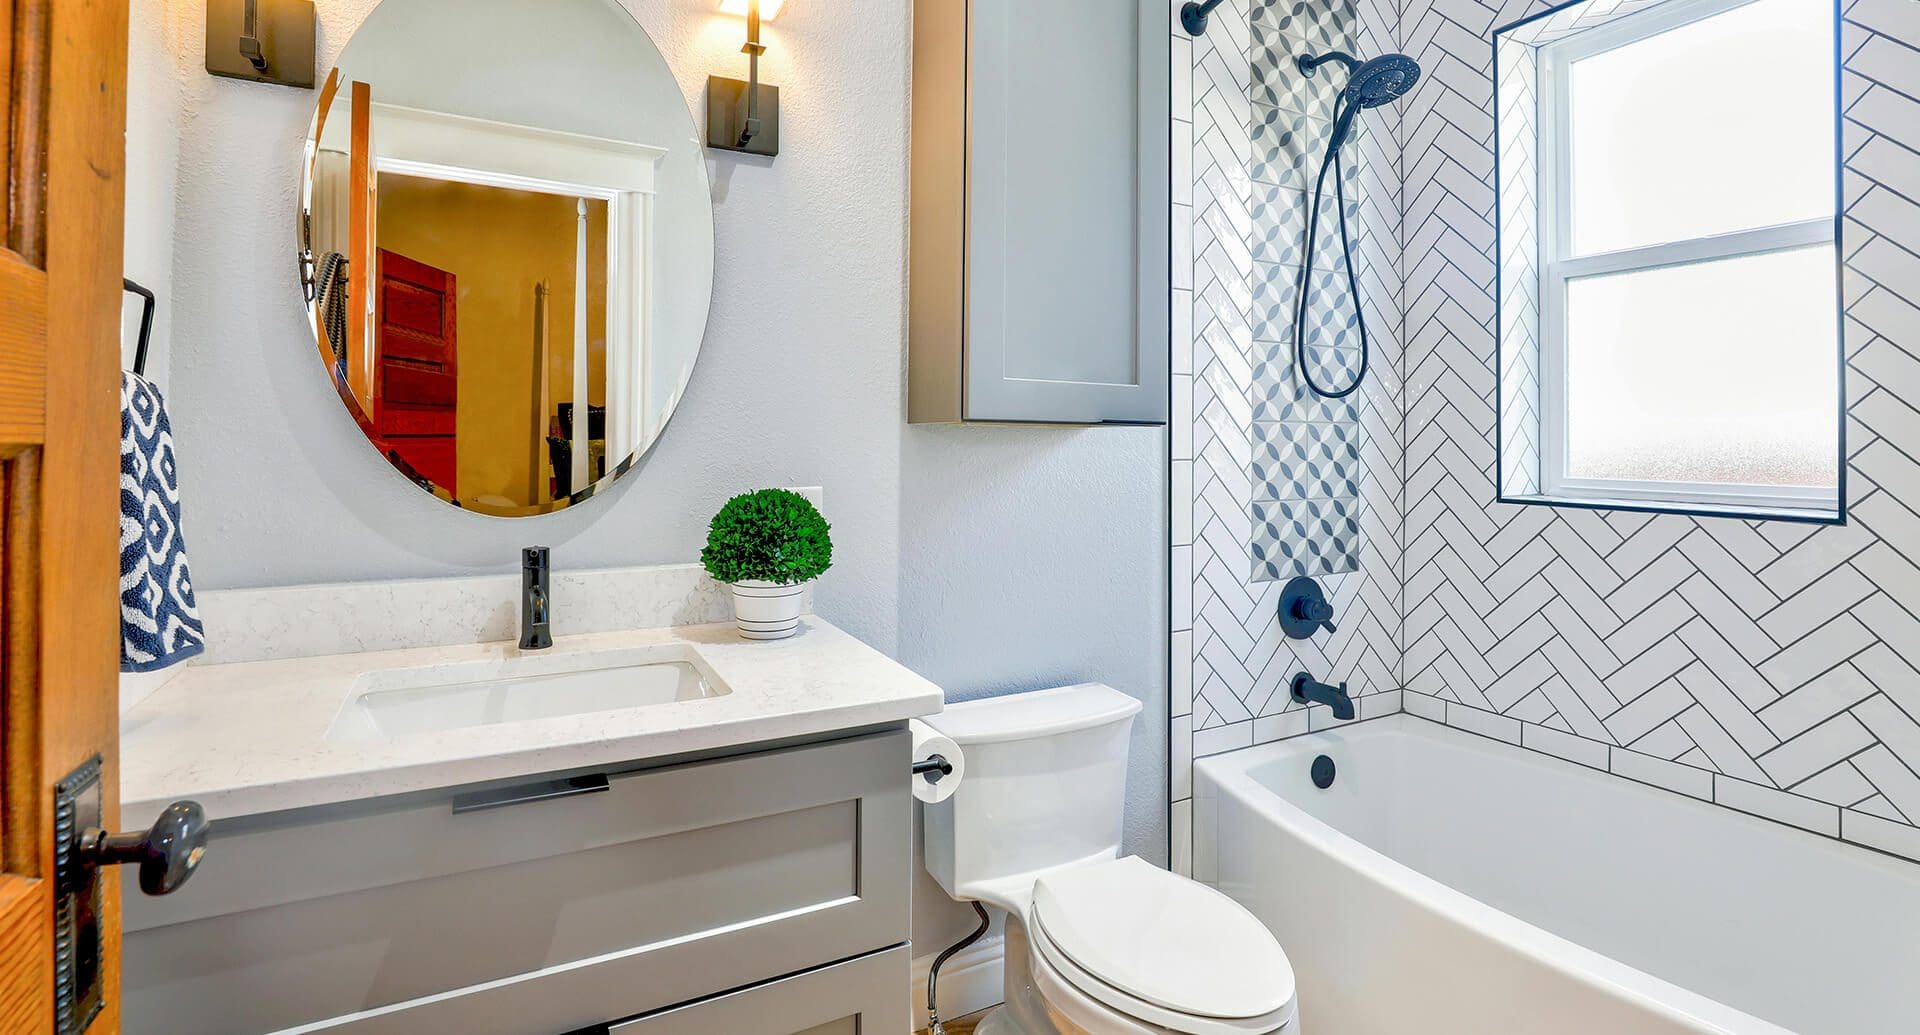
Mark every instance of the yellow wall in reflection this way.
pixel 499 244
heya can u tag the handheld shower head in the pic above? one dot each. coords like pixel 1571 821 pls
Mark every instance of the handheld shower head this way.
pixel 1370 84
pixel 1382 80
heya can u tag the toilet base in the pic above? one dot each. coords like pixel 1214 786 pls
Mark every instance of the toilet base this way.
pixel 998 1022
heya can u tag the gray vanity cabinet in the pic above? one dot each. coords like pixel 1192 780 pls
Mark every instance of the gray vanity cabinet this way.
pixel 858 997
pixel 1039 209
pixel 673 885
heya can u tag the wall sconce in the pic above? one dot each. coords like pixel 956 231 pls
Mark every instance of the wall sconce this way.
pixel 261 41
pixel 744 115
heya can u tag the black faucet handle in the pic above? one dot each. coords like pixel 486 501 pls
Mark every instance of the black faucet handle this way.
pixel 1305 609
pixel 1318 611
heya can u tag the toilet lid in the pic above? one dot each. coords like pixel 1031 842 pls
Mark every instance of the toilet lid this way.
pixel 1169 941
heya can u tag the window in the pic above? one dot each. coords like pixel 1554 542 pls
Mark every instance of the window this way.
pixel 1684 280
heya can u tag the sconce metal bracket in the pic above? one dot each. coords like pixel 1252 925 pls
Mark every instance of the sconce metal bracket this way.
pixel 275 45
pixel 727 116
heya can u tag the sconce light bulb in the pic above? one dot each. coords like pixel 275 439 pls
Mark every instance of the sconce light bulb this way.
pixel 768 8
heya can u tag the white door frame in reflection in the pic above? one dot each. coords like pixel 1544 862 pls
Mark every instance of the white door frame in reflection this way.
pixel 483 152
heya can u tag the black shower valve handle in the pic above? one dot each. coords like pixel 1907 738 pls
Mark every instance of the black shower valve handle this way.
pixel 1305 609
pixel 1316 611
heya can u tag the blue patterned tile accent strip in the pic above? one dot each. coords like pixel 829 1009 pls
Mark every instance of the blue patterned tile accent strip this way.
pixel 1304 461
pixel 1306 537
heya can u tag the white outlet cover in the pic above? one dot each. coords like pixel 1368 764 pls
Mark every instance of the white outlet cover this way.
pixel 814 494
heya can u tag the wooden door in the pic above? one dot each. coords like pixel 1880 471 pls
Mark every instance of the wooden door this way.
pixel 63 104
pixel 416 352
pixel 362 213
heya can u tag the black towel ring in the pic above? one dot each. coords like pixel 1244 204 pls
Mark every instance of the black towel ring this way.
pixel 146 325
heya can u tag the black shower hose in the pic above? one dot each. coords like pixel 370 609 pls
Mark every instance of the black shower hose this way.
pixel 1342 117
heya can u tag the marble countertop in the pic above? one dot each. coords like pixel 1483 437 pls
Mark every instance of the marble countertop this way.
pixel 252 737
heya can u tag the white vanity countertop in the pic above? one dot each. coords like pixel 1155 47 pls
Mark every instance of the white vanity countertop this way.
pixel 251 737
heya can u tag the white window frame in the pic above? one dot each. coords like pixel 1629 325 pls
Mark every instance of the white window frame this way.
pixel 1558 268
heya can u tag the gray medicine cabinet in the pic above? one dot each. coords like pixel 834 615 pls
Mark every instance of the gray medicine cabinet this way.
pixel 1039 212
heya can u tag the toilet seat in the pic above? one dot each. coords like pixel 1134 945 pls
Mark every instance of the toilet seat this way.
pixel 1161 949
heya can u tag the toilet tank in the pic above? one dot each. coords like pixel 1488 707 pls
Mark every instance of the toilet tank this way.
pixel 1044 785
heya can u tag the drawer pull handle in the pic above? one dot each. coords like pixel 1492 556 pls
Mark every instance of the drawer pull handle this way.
pixel 480 801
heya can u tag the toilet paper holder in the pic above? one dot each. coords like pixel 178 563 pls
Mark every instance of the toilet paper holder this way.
pixel 933 767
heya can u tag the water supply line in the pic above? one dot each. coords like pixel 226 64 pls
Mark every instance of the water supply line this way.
pixel 934 1027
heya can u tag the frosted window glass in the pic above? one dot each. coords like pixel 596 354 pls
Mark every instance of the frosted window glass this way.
pixel 1722 124
pixel 1722 372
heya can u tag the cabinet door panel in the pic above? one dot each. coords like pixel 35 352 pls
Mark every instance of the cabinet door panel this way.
pixel 1067 217
pixel 868 994
pixel 672 884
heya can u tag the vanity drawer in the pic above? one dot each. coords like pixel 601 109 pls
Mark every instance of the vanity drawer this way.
pixel 867 995
pixel 670 884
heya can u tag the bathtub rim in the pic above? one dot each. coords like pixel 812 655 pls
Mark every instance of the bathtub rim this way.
pixel 1229 775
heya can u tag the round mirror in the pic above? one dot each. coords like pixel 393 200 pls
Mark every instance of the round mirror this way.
pixel 507 245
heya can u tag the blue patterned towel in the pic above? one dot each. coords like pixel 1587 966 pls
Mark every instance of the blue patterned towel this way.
pixel 159 624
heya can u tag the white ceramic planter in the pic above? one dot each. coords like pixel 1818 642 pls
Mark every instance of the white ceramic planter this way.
pixel 767 610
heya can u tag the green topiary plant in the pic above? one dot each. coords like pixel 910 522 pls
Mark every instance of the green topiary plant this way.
pixel 771 535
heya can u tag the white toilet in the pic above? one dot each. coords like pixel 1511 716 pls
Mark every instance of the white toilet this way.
pixel 1095 944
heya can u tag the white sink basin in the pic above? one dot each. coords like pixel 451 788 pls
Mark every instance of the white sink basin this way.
pixel 434 699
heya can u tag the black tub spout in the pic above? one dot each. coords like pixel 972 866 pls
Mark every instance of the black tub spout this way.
pixel 1308 690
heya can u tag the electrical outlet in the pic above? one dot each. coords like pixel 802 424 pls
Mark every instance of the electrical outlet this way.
pixel 814 494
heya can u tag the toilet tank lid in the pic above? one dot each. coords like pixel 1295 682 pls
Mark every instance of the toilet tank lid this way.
pixel 1038 713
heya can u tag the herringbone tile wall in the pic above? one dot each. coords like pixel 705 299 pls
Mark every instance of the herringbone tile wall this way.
pixel 1235 390
pixel 1766 666
pixel 1763 665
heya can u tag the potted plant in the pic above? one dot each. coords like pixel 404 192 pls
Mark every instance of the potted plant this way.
pixel 767 545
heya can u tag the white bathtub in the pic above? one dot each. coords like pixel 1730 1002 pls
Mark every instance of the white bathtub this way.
pixel 1451 885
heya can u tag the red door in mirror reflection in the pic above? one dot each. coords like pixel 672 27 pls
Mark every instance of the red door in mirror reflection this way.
pixel 416 357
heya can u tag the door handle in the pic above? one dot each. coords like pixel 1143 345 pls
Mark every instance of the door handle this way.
pixel 167 853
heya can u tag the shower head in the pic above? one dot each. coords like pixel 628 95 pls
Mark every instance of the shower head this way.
pixel 1382 80
pixel 1370 83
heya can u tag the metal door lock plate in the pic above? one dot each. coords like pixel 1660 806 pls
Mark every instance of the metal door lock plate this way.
pixel 77 992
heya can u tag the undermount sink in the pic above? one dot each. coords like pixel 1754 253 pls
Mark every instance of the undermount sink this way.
pixel 435 699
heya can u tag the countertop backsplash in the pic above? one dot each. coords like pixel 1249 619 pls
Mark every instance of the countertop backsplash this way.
pixel 349 617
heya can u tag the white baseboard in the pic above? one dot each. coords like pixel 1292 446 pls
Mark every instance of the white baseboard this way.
pixel 969 982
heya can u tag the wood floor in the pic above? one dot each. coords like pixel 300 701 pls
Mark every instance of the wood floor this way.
pixel 960 1025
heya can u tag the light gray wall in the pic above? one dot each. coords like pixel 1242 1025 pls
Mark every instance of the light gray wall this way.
pixel 153 156
pixel 1036 558
pixel 989 559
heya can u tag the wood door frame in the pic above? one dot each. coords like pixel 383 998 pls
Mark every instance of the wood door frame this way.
pixel 60 274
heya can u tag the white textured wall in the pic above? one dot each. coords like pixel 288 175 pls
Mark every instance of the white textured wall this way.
pixel 154 87
pixel 989 559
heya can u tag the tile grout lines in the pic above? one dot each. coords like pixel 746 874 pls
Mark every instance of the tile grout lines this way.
pixel 1787 667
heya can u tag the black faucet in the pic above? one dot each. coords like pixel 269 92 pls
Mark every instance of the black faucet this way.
pixel 536 606
pixel 1308 690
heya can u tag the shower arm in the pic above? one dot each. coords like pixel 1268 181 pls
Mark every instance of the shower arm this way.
pixel 1310 63
pixel 1193 16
